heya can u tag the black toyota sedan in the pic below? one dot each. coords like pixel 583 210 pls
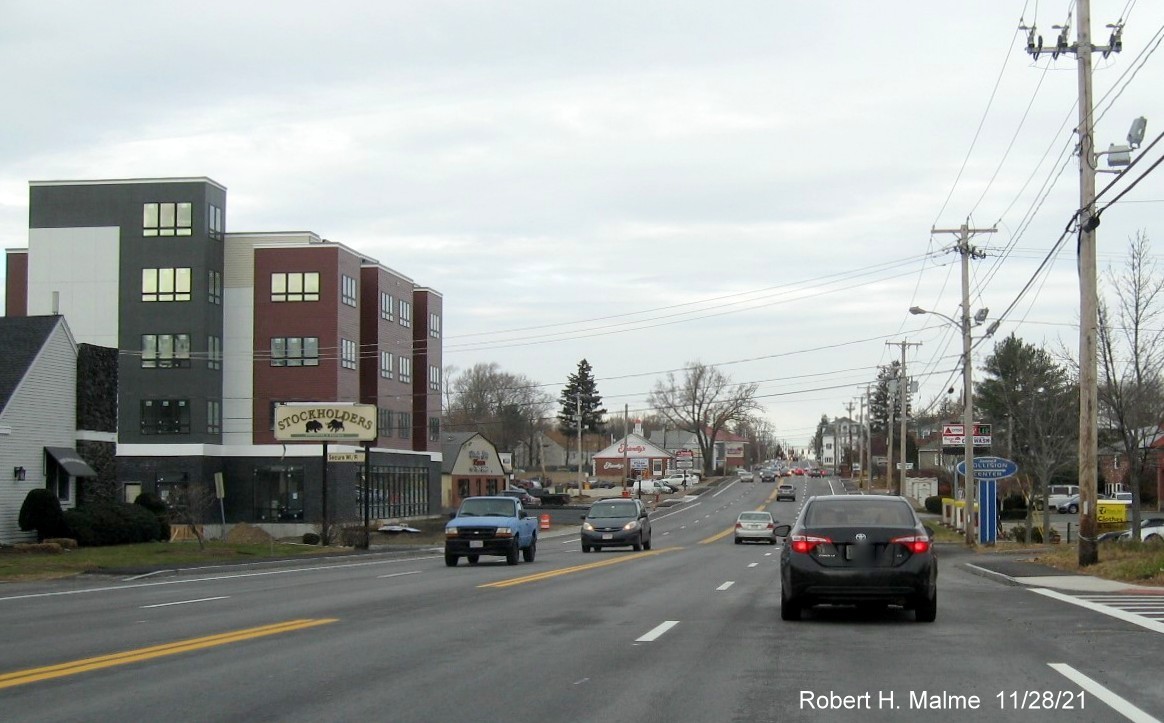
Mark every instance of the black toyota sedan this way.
pixel 858 550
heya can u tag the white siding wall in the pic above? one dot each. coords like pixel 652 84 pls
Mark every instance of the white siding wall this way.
pixel 42 412
pixel 82 265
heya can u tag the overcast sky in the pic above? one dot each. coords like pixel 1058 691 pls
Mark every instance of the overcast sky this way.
pixel 642 184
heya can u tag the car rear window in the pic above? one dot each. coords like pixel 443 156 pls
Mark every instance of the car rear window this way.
pixel 755 517
pixel 873 512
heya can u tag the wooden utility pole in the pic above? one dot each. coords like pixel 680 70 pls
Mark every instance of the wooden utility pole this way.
pixel 903 391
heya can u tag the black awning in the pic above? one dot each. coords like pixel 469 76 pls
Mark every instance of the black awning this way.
pixel 70 461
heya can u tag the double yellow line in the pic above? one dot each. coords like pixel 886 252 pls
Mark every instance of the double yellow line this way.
pixel 720 535
pixel 536 577
pixel 33 675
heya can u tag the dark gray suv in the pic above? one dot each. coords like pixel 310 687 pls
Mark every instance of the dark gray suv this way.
pixel 617 522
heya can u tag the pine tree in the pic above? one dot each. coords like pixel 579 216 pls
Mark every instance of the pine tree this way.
pixel 581 383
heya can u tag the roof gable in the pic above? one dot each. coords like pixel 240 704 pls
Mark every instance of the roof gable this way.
pixel 21 338
pixel 636 447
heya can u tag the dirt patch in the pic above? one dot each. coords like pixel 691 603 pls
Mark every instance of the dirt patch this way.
pixel 242 534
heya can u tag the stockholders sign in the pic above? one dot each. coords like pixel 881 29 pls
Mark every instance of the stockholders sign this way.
pixel 325 422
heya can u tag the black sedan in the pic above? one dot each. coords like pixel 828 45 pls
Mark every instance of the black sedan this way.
pixel 858 550
pixel 616 523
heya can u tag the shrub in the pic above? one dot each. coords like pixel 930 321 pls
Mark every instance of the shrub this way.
pixel 158 507
pixel 1014 501
pixel 50 548
pixel 65 543
pixel 113 523
pixel 41 511
pixel 310 538
pixel 1020 533
pixel 934 505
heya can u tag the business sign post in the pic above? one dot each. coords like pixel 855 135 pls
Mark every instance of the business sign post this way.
pixel 330 422
pixel 954 435
pixel 988 470
pixel 684 459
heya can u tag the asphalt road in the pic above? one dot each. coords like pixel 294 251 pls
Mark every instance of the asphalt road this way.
pixel 689 631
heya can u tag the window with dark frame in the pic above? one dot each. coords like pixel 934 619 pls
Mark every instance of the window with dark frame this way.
pixel 215 228
pixel 434 429
pixel 214 285
pixel 404 425
pixel 384 419
pixel 387 306
pixel 347 354
pixel 405 313
pixel 294 351
pixel 434 326
pixel 165 351
pixel 167 219
pixel 213 352
pixel 294 286
pixel 165 416
pixel 434 378
pixel 386 361
pixel 405 369
pixel 213 416
pixel 348 290
pixel 169 284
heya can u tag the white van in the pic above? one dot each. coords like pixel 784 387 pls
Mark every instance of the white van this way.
pixel 1058 495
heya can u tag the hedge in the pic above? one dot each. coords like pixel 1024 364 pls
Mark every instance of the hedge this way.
pixel 113 523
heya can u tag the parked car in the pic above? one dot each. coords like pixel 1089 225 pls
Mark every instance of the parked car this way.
pixel 616 523
pixel 816 472
pixel 650 486
pixel 1151 530
pixel 1122 497
pixel 858 550
pixel 755 526
pixel 524 496
pixel 786 491
pixel 1071 504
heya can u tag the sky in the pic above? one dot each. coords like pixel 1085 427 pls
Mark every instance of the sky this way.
pixel 639 183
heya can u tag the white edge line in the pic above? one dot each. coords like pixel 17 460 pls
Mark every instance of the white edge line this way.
pixel 185 602
pixel 398 574
pixel 657 631
pixel 145 575
pixel 724 489
pixel 1153 625
pixel 726 585
pixel 1117 703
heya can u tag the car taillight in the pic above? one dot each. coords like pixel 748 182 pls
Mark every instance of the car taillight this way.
pixel 806 543
pixel 771 525
pixel 739 525
pixel 914 543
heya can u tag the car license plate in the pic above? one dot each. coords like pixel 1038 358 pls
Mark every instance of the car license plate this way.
pixel 608 537
pixel 476 543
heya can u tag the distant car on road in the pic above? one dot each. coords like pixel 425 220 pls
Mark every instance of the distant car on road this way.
pixel 767 475
pixel 524 496
pixel 786 491
pixel 858 550
pixel 755 526
pixel 816 472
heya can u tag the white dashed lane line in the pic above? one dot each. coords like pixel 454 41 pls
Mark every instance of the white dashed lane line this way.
pixel 726 585
pixel 657 631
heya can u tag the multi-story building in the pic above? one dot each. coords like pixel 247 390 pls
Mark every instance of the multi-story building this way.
pixel 215 329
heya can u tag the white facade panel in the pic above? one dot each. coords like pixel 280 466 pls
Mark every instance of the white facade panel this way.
pixel 81 265
pixel 238 380
pixel 41 412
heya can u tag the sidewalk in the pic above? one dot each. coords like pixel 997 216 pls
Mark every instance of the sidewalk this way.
pixel 1033 574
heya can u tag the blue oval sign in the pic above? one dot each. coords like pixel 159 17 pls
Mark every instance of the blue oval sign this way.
pixel 990 468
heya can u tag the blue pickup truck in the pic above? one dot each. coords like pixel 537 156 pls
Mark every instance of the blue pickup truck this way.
pixel 497 526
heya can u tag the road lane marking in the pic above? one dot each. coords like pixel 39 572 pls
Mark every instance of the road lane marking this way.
pixel 1142 621
pixel 1116 703
pixel 658 630
pixel 185 602
pixel 753 564
pixel 726 585
pixel 61 670
pixel 539 576
pixel 398 574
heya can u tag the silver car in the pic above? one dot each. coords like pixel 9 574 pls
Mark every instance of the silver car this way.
pixel 756 526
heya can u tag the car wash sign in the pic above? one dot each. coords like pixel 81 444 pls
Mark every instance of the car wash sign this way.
pixel 311 422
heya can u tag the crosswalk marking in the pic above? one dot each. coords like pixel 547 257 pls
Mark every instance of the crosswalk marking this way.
pixel 1145 610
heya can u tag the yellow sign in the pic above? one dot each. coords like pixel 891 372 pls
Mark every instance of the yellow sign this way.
pixel 1111 511
pixel 310 422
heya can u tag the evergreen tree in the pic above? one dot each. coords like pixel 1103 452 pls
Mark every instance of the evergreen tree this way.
pixel 581 383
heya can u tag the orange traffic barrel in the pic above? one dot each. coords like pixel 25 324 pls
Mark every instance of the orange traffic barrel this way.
pixel 544 522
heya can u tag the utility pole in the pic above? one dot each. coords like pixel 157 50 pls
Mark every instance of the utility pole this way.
pixel 1088 295
pixel 967 252
pixel 903 391
pixel 890 405
pixel 849 443
pixel 866 443
pixel 578 418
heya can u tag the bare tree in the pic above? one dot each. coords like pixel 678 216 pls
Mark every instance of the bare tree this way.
pixel 504 407
pixel 703 401
pixel 190 504
pixel 1131 347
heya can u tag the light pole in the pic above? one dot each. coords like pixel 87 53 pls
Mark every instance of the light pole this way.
pixel 968 408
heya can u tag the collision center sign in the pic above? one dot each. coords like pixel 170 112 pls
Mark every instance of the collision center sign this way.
pixel 309 422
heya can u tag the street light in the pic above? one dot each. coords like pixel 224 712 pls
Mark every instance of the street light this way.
pixel 968 406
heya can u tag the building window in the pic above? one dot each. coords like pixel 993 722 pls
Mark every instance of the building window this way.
pixel 387 307
pixel 214 286
pixel 295 286
pixel 213 416
pixel 165 284
pixel 294 351
pixel 405 313
pixel 348 290
pixel 405 369
pixel 384 422
pixel 434 326
pixel 404 425
pixel 165 351
pixel 165 416
pixel 434 429
pixel 214 222
pixel 347 354
pixel 213 352
pixel 166 219
pixel 386 364
pixel 434 378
